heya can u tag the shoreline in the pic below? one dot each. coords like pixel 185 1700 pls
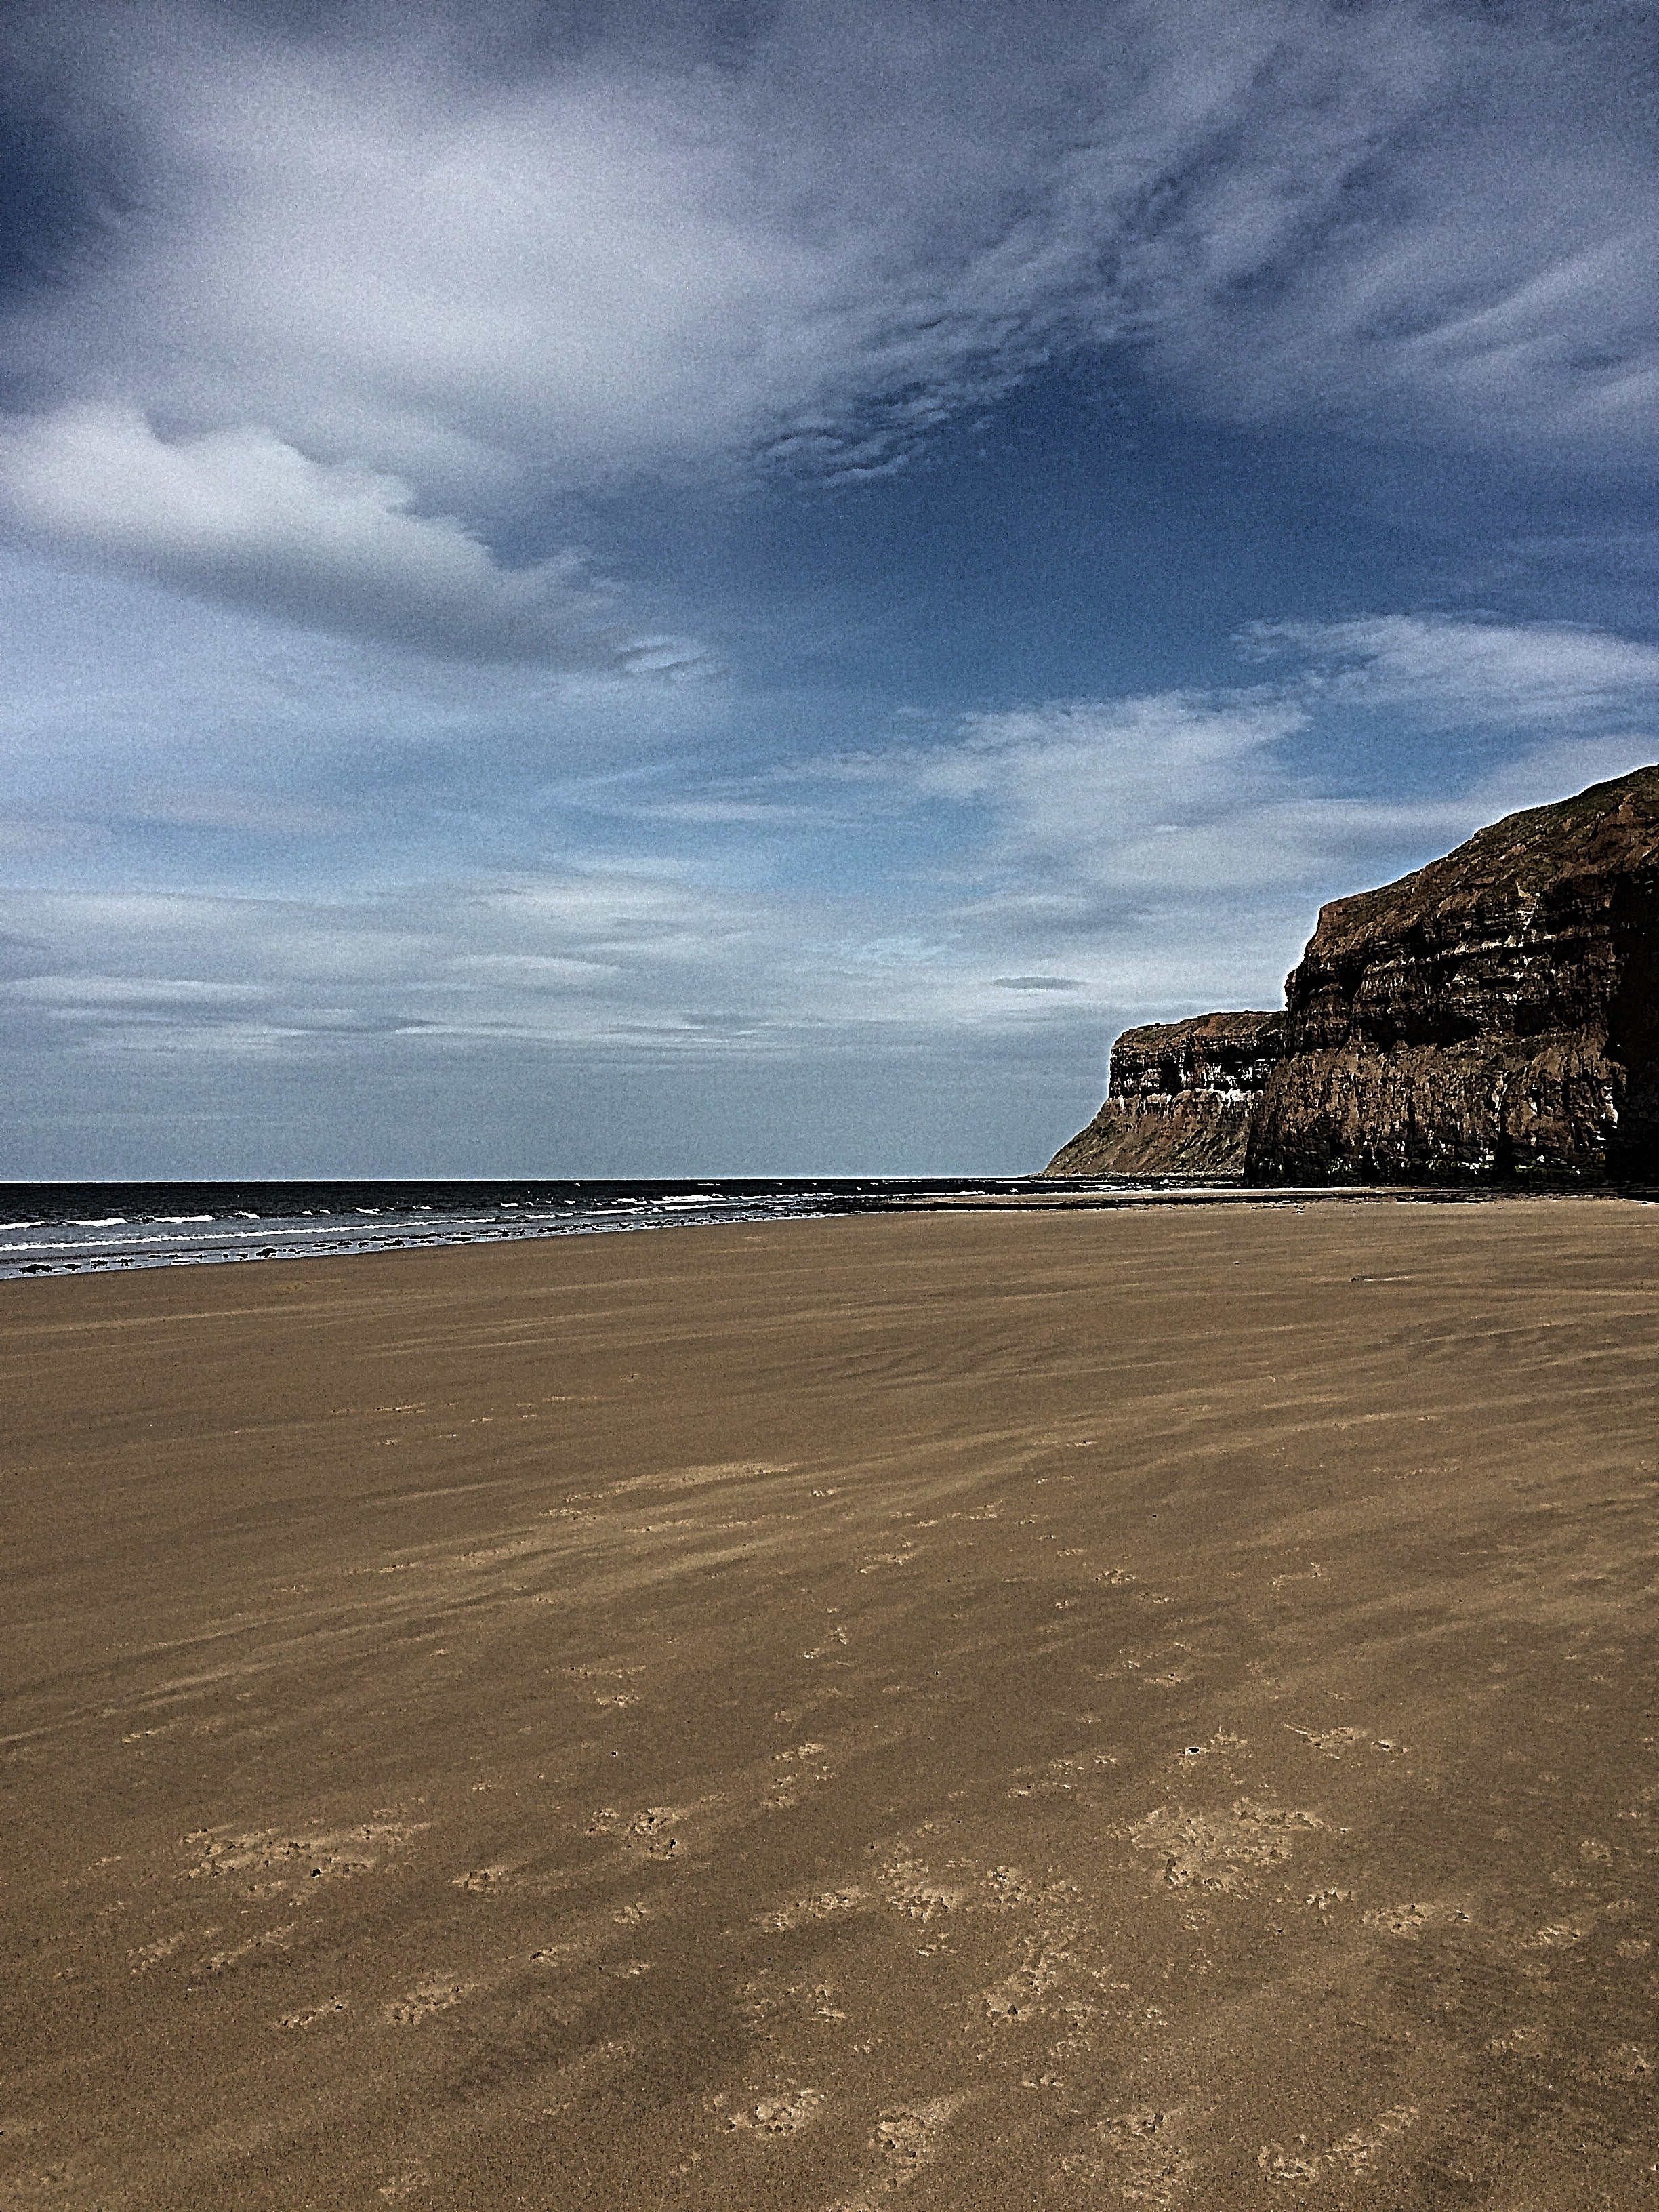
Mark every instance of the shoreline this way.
pixel 871 1201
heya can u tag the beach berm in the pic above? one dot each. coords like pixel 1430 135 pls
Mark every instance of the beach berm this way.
pixel 963 1710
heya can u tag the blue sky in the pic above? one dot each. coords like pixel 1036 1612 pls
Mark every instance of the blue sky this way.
pixel 630 591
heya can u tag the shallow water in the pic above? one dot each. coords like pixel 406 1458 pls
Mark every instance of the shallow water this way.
pixel 56 1229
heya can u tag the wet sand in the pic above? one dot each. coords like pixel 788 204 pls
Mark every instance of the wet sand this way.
pixel 973 1710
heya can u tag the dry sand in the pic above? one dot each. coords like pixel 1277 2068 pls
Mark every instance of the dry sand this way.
pixel 971 1712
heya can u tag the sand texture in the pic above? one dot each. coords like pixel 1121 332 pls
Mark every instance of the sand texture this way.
pixel 972 1710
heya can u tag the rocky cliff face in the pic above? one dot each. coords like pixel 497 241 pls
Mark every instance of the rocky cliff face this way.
pixel 1180 1099
pixel 1492 1016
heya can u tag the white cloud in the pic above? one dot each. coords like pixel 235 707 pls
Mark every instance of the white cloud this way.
pixel 124 992
pixel 209 807
pixel 581 960
pixel 1447 671
pixel 126 700
pixel 1139 791
pixel 1434 226
pixel 378 302
pixel 239 515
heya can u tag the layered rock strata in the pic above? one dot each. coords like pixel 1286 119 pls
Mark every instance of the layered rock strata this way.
pixel 1180 1098
pixel 1493 1016
pixel 1490 1017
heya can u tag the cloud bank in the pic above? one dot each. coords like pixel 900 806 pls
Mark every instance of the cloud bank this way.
pixel 1108 857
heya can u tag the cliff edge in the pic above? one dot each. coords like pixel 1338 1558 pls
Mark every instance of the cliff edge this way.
pixel 1492 1016
pixel 1179 1100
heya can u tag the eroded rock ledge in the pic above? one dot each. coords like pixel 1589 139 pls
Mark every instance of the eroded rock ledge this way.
pixel 1490 1017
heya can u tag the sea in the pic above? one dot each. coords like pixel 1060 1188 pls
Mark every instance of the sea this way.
pixel 85 1228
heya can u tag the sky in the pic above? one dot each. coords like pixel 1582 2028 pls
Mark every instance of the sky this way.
pixel 731 589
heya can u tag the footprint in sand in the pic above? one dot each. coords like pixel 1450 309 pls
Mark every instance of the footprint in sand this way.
pixel 272 1852
pixel 1016 1999
pixel 652 1833
pixel 484 1881
pixel 1300 2166
pixel 1010 1889
pixel 824 1906
pixel 1329 1744
pixel 778 2118
pixel 906 2136
pixel 765 1999
pixel 310 2014
pixel 1215 1851
pixel 48 2184
pixel 426 1998
pixel 799 1772
pixel 151 1954
pixel 1141 2156
pixel 1558 1934
pixel 694 1478
pixel 272 1939
pixel 917 1897
pixel 1531 2035
pixel 1624 2062
pixel 1410 1920
pixel 405 2183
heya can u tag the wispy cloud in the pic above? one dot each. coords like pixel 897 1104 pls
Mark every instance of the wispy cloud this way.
pixel 334 336
pixel 239 515
pixel 356 290
pixel 216 807
pixel 1450 671
pixel 1105 857
pixel 1173 841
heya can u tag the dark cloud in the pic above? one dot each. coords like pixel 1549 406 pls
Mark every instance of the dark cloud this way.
pixel 1038 983
pixel 66 184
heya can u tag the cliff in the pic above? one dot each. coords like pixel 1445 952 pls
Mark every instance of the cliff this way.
pixel 1179 1100
pixel 1492 1016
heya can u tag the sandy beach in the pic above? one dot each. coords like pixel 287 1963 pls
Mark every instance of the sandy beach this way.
pixel 963 1710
